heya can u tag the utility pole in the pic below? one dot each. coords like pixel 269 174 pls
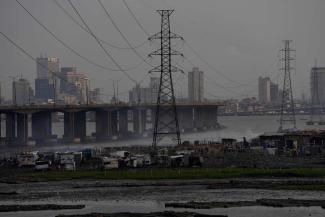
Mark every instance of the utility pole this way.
pixel 287 116
pixel 166 119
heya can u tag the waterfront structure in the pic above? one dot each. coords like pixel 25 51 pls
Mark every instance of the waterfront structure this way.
pixel 195 85
pixel 22 92
pixel 317 85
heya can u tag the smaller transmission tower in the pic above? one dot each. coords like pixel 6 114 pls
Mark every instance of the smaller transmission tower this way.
pixel 166 119
pixel 287 117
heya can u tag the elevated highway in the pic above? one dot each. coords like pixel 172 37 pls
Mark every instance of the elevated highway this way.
pixel 112 121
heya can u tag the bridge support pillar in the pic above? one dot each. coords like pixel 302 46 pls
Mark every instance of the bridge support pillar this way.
pixel 0 126
pixel 101 125
pixel 136 122
pixel 212 118
pixel 186 119
pixel 10 127
pixel 80 125
pixel 199 118
pixel 152 117
pixel 139 121
pixel 22 128
pixel 75 125
pixel 68 125
pixel 143 121
pixel 113 124
pixel 41 126
pixel 123 123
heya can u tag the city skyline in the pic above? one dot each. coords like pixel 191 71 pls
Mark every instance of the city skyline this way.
pixel 236 34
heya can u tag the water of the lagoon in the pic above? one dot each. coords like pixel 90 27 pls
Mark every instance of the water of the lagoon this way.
pixel 236 127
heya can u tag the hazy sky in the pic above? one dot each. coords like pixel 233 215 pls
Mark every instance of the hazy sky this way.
pixel 240 38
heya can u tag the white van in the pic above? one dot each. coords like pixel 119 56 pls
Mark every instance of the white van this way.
pixel 41 165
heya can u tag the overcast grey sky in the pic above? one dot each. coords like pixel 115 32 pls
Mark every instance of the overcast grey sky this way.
pixel 240 38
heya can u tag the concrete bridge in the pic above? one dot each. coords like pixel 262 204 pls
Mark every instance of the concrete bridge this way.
pixel 112 121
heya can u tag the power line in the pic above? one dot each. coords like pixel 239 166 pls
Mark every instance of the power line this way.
pixel 228 89
pixel 188 45
pixel 212 67
pixel 135 18
pixel 83 28
pixel 62 42
pixel 121 33
pixel 100 44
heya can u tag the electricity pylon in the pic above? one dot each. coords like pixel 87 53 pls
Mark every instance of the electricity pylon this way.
pixel 287 109
pixel 166 119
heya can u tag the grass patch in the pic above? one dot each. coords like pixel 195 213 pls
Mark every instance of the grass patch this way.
pixel 167 173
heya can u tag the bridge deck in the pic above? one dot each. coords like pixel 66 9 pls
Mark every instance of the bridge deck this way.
pixel 94 107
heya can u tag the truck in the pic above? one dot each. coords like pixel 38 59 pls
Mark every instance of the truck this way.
pixel 27 159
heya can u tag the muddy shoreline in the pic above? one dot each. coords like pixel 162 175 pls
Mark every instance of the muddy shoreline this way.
pixel 154 214
pixel 37 207
pixel 260 202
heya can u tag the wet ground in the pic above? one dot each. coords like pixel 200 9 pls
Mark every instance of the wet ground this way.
pixel 147 198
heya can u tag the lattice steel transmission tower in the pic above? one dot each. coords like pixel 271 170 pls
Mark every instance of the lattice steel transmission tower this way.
pixel 287 109
pixel 166 119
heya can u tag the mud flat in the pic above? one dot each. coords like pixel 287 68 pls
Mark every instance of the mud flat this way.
pixel 37 207
pixel 260 202
pixel 272 184
pixel 153 214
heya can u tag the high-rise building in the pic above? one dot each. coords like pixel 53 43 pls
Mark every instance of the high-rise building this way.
pixel 94 96
pixel 45 67
pixel 274 92
pixel 195 85
pixel 42 89
pixel 77 85
pixel 47 83
pixel 145 95
pixel 22 92
pixel 63 77
pixel 154 88
pixel 140 95
pixel 317 84
pixel 264 90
